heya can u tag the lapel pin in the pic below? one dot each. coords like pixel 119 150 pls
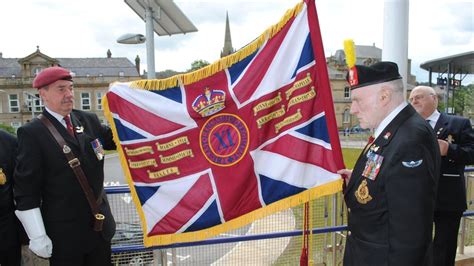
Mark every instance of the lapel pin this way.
pixel 450 139
pixel 387 135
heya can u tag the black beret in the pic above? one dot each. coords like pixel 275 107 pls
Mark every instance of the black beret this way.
pixel 361 76
pixel 50 75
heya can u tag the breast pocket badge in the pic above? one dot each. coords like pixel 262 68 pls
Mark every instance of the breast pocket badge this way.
pixel 362 193
pixel 372 166
pixel 98 149
pixel 3 177
pixel 412 164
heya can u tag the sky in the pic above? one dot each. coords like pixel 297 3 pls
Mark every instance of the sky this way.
pixel 87 28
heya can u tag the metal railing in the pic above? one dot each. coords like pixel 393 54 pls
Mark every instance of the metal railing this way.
pixel 128 247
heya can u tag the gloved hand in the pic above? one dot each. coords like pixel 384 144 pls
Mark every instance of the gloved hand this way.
pixel 32 221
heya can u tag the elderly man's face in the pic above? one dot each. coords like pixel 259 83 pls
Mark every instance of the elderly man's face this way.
pixel 59 96
pixel 424 101
pixel 365 105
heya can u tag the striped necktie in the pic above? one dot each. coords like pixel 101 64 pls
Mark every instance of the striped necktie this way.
pixel 69 128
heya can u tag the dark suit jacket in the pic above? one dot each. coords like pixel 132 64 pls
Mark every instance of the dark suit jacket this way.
pixel 452 187
pixel 394 227
pixel 44 179
pixel 9 225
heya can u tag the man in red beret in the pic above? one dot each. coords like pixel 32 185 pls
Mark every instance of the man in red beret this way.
pixel 390 194
pixel 59 178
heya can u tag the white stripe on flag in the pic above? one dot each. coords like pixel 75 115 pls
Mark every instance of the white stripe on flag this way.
pixel 292 172
pixel 286 59
pixel 155 103
pixel 167 197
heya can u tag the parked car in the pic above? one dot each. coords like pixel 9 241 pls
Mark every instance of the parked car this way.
pixel 357 129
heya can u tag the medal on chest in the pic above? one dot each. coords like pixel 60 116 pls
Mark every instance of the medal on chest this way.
pixel 373 164
pixel 98 149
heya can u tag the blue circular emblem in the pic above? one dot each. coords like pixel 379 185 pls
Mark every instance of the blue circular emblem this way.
pixel 224 139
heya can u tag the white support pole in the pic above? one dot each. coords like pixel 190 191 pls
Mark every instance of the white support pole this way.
pixel 395 35
pixel 150 43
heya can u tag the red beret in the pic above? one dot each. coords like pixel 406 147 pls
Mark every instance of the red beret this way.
pixel 50 75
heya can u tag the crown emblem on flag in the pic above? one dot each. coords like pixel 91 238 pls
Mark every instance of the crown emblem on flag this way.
pixel 210 102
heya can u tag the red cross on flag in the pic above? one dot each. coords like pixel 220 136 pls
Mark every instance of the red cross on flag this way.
pixel 249 135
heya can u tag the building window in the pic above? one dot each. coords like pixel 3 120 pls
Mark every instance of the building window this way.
pixel 99 95
pixel 15 124
pixel 14 103
pixel 13 76
pixel 121 74
pixel 85 101
pixel 346 116
pixel 347 93
pixel 36 71
pixel 34 102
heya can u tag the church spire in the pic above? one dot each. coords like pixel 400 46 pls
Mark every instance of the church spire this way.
pixel 228 49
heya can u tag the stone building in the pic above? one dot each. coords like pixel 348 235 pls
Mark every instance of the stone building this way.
pixel 19 102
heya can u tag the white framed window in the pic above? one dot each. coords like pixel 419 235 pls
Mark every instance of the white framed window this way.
pixel 85 101
pixel 99 96
pixel 13 103
pixel 121 74
pixel 346 116
pixel 34 103
pixel 15 124
pixel 36 71
pixel 347 93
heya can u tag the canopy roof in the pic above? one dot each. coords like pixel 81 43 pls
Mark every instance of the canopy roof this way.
pixel 459 64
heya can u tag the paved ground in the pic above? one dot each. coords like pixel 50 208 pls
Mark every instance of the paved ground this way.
pixel 269 250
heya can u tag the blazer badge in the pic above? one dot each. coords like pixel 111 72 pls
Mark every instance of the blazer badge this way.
pixel 362 193
pixel 3 177
pixel 450 139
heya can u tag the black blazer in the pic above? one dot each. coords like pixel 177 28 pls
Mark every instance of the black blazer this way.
pixel 44 179
pixel 9 225
pixel 390 218
pixel 452 188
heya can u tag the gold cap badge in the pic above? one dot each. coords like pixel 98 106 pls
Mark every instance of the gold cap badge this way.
pixel 362 193
pixel 3 177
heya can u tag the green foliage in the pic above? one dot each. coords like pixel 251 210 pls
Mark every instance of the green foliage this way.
pixel 8 129
pixel 464 100
pixel 197 64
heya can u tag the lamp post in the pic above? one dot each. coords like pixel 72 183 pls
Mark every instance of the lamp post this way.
pixel 160 16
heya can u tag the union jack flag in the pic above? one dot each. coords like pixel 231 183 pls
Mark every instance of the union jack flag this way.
pixel 249 135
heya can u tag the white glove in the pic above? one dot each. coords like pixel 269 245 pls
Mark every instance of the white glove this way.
pixel 32 221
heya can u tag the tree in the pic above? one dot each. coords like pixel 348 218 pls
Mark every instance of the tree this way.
pixel 464 100
pixel 197 64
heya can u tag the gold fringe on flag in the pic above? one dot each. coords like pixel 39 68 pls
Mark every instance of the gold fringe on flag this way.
pixel 221 64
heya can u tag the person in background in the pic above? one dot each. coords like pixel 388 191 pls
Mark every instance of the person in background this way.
pixel 10 228
pixel 456 144
pixel 64 220
pixel 390 194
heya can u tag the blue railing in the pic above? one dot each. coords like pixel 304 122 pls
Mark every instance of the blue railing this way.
pixel 214 241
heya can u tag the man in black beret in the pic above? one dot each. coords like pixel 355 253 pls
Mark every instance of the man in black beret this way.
pixel 62 209
pixel 390 194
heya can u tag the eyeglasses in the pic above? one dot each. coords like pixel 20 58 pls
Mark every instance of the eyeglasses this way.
pixel 419 97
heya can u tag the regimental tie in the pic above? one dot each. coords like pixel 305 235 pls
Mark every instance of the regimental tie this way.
pixel 69 127
pixel 369 143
